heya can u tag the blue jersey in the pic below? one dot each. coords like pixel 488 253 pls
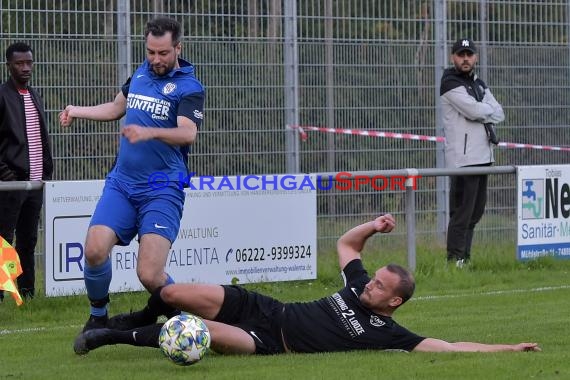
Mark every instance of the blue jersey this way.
pixel 156 101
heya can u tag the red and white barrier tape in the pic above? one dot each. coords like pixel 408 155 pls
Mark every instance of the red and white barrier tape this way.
pixel 409 136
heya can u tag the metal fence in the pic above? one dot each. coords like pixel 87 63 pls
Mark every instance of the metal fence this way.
pixel 267 64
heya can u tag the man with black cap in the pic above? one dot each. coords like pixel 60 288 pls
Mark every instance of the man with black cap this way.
pixel 470 112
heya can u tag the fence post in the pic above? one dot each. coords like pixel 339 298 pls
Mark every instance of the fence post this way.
pixel 411 217
pixel 440 20
pixel 483 41
pixel 124 40
pixel 291 85
pixel 568 26
pixel 330 103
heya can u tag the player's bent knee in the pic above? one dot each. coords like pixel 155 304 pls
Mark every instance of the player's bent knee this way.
pixel 169 294
pixel 150 280
pixel 95 254
pixel 100 240
pixel 228 339
pixel 180 296
pixel 202 300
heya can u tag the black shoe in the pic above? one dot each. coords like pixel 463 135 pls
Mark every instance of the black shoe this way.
pixel 129 321
pixel 92 339
pixel 94 323
pixel 27 293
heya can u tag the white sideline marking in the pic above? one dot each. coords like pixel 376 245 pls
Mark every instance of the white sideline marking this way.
pixel 491 293
pixel 421 298
pixel 31 329
pixel 36 329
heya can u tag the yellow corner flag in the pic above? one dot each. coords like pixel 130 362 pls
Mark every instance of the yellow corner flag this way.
pixel 10 268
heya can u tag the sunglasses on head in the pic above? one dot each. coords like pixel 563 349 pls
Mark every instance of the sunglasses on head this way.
pixel 464 53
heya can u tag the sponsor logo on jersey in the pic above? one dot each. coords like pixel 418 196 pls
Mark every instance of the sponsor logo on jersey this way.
pixel 158 108
pixel 376 321
pixel 198 114
pixel 347 316
pixel 168 88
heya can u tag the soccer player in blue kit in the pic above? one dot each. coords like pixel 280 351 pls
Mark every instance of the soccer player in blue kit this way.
pixel 358 316
pixel 163 107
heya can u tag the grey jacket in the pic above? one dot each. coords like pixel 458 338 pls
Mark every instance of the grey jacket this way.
pixel 467 104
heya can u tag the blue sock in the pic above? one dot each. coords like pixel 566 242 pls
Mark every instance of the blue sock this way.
pixel 97 282
pixel 169 280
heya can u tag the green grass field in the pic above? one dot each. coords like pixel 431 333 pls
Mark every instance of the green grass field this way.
pixel 495 300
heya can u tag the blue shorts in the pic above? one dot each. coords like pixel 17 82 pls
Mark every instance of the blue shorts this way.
pixel 130 210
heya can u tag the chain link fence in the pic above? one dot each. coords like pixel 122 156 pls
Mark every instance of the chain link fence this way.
pixel 267 64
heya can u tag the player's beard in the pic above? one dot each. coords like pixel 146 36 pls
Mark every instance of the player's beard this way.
pixel 162 69
pixel 365 298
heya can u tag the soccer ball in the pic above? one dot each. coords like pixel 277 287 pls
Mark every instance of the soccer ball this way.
pixel 184 339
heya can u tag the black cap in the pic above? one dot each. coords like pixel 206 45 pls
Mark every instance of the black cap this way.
pixel 463 44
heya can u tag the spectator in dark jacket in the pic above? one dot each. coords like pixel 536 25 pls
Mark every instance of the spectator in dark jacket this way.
pixel 25 155
pixel 470 112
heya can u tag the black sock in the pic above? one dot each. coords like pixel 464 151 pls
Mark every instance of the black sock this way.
pixel 146 336
pixel 156 306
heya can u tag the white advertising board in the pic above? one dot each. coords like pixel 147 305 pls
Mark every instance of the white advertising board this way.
pixel 543 211
pixel 226 236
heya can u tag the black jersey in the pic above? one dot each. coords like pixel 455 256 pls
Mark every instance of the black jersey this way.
pixel 340 322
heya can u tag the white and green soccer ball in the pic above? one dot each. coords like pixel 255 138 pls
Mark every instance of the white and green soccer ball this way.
pixel 184 339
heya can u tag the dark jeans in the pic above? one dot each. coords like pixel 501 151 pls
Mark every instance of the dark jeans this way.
pixel 467 199
pixel 20 216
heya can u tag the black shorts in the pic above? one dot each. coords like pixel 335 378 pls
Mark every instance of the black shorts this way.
pixel 258 315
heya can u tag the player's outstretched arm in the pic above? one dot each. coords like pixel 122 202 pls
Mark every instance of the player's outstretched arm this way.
pixel 102 112
pixel 352 242
pixel 438 345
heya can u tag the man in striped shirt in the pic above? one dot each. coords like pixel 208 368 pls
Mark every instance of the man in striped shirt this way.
pixel 25 155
